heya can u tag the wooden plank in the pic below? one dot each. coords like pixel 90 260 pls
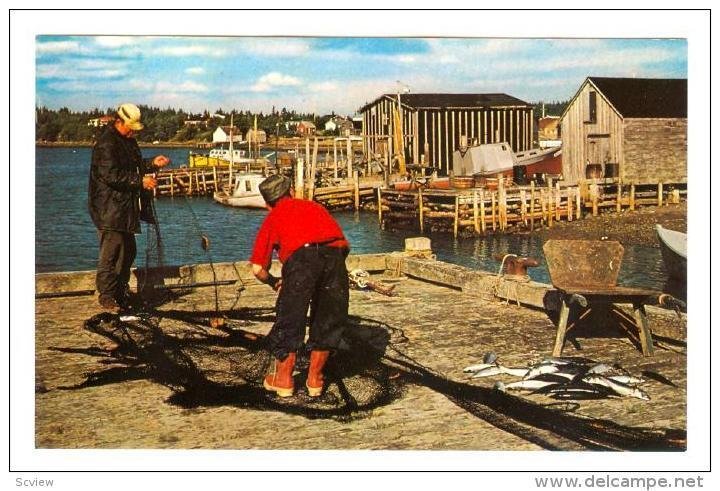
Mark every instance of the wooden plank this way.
pixel 646 341
pixel 562 328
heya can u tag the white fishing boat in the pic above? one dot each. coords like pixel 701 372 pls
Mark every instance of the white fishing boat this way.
pixel 244 193
pixel 673 246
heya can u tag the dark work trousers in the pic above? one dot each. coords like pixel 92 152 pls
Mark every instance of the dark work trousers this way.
pixel 117 253
pixel 314 274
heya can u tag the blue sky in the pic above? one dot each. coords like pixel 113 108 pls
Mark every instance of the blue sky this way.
pixel 321 75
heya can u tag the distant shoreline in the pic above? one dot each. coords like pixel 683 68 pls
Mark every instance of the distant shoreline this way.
pixel 141 144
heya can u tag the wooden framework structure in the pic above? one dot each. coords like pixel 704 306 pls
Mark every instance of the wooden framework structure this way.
pixel 435 125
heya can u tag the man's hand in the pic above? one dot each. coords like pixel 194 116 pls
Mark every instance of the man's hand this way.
pixel 149 182
pixel 160 161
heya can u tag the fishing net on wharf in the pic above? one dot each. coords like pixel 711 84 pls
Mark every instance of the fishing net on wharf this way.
pixel 209 364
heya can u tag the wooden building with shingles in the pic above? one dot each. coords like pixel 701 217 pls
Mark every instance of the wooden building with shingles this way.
pixel 631 128
pixel 434 125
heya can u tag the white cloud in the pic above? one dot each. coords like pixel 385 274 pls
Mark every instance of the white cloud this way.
pixel 187 86
pixel 115 41
pixel 277 47
pixel 274 79
pixel 57 47
pixel 195 70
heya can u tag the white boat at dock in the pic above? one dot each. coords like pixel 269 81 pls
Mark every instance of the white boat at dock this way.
pixel 245 191
pixel 673 246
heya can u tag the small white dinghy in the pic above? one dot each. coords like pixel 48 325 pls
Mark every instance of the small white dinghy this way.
pixel 245 192
pixel 673 246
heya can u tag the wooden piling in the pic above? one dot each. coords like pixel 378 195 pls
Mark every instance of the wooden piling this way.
pixel 172 182
pixel 380 206
pixel 532 205
pixel 594 196
pixel 569 204
pixel 660 194
pixel 299 179
pixel 349 158
pixel 457 216
pixel 420 209
pixel 492 209
pixel 483 225
pixel 557 201
pixel 543 208
pixel 476 212
pixel 632 196
pixel 356 184
pixel 502 204
pixel 578 204
pixel 523 212
pixel 313 170
pixel 675 196
pixel 618 203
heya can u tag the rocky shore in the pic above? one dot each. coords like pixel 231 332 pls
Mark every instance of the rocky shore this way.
pixel 629 227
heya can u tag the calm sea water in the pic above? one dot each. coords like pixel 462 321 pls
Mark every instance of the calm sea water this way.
pixel 66 240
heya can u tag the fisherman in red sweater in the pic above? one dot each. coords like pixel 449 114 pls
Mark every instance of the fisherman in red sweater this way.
pixel 312 248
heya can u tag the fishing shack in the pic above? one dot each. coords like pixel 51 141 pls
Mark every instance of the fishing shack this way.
pixel 432 126
pixel 634 129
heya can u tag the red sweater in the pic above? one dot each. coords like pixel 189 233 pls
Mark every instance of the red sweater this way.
pixel 291 224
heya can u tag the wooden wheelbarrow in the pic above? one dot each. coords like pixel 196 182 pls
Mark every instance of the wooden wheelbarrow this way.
pixel 585 273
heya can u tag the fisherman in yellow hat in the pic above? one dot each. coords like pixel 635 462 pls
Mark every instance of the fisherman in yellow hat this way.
pixel 118 175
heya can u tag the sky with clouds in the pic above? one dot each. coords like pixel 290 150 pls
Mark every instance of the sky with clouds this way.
pixel 320 75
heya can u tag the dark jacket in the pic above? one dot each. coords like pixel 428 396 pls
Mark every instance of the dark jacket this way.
pixel 115 184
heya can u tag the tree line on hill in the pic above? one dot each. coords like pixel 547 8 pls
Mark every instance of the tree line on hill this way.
pixel 166 125
pixel 176 125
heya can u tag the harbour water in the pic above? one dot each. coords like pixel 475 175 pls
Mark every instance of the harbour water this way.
pixel 65 238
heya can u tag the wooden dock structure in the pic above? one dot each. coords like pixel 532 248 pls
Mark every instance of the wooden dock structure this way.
pixel 477 211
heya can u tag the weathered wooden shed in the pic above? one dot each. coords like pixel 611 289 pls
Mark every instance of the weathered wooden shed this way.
pixel 631 128
pixel 435 124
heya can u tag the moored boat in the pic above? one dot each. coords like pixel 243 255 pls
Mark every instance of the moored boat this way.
pixel 673 247
pixel 245 192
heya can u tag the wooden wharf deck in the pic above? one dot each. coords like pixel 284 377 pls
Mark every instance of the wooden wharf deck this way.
pixel 90 394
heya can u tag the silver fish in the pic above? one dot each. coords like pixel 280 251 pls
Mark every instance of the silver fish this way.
pixel 617 387
pixel 487 372
pixel 515 372
pixel 540 369
pixel 626 379
pixel 529 384
pixel 599 368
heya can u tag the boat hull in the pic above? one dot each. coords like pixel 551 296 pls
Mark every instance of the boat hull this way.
pixel 251 201
pixel 673 247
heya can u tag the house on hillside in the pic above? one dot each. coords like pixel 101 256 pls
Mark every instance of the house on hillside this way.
pixel 101 121
pixel 305 128
pixel 634 128
pixel 435 125
pixel 222 135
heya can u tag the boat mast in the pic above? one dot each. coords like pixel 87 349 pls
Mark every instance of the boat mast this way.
pixel 231 151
